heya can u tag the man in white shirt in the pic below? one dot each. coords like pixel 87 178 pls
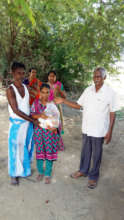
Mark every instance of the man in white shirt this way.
pixel 99 105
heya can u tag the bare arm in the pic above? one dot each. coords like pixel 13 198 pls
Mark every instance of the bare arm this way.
pixel 13 103
pixel 62 93
pixel 42 115
pixel 59 91
pixel 68 103
pixel 109 133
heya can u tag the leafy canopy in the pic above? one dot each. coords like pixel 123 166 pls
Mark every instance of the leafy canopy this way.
pixel 72 37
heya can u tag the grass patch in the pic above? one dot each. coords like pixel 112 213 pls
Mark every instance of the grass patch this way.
pixel 120 114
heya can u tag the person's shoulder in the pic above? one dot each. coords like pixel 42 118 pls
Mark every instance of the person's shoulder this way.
pixel 89 88
pixel 10 91
pixel 9 88
pixel 109 89
pixel 85 91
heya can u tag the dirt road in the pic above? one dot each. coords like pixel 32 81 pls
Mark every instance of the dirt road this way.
pixel 65 198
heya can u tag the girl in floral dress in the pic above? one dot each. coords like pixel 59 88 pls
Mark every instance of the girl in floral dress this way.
pixel 46 138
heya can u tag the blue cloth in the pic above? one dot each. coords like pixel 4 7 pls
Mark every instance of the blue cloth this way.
pixel 20 147
pixel 26 81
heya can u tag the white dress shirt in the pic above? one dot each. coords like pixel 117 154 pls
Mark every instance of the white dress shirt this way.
pixel 96 110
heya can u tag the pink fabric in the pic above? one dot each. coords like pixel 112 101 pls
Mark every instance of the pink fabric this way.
pixel 45 140
pixel 51 95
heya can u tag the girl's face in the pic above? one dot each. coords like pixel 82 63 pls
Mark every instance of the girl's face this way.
pixel 52 78
pixel 44 94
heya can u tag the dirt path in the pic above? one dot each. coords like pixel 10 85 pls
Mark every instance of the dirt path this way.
pixel 65 198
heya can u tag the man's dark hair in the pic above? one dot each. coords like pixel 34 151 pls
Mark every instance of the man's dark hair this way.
pixel 17 65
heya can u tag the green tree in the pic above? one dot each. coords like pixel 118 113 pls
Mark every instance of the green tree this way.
pixel 72 37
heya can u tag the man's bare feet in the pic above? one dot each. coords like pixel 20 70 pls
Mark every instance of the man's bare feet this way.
pixel 47 180
pixel 77 174
pixel 40 177
pixel 17 179
pixel 14 181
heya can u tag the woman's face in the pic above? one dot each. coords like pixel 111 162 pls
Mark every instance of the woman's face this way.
pixel 44 93
pixel 33 73
pixel 52 78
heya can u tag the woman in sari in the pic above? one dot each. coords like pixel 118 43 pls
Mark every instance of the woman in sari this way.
pixel 33 84
pixel 57 90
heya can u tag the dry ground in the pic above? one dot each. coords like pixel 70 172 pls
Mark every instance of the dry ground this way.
pixel 65 198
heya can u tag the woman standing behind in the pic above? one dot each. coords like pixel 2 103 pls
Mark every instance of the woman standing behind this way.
pixel 33 84
pixel 57 90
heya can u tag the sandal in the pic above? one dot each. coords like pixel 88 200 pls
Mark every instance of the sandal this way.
pixel 40 177
pixel 77 174
pixel 92 184
pixel 48 180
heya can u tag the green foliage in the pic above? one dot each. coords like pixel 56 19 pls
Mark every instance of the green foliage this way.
pixel 72 37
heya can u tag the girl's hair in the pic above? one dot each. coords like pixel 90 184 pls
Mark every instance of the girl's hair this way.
pixel 44 85
pixel 52 71
pixel 32 68
pixel 17 65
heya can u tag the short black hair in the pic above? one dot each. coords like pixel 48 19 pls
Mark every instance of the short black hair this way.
pixel 44 85
pixel 52 71
pixel 32 68
pixel 17 65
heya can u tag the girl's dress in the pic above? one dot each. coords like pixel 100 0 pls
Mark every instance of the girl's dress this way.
pixel 46 141
pixel 51 98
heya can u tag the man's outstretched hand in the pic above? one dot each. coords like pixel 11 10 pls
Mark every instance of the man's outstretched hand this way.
pixel 58 100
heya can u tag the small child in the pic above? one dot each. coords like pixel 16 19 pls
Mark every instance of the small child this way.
pixel 46 136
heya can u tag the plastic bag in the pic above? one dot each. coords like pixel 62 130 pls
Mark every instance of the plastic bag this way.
pixel 53 116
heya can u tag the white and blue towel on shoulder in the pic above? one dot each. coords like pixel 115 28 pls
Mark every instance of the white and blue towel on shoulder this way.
pixel 21 147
